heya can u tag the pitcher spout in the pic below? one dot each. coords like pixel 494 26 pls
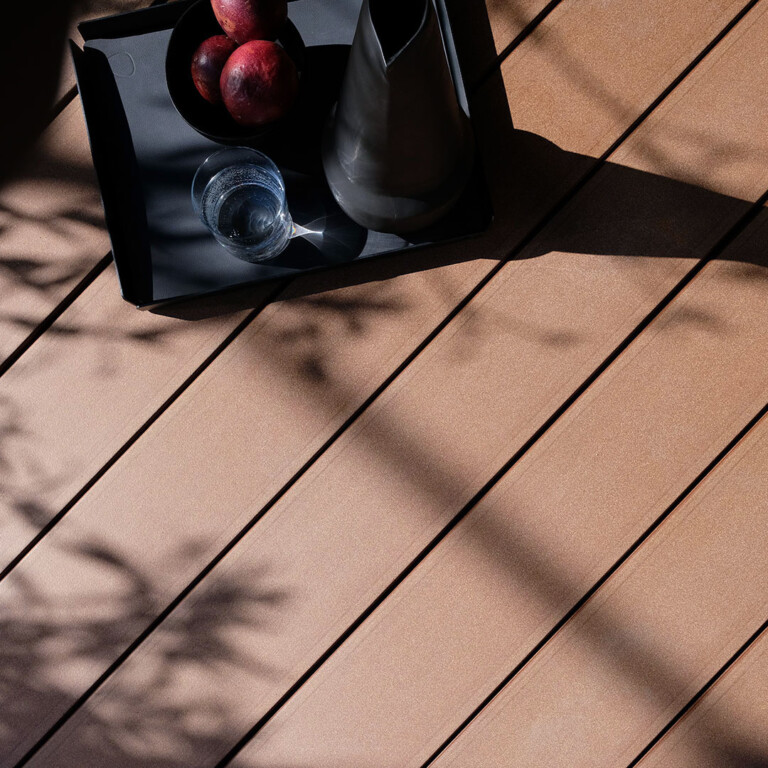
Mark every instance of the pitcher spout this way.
pixel 398 150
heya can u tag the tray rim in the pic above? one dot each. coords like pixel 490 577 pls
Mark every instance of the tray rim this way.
pixel 161 15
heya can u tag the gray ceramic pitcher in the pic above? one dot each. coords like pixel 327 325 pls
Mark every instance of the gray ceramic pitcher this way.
pixel 398 149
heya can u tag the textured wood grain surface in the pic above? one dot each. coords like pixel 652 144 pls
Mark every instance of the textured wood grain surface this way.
pixel 494 588
pixel 393 479
pixel 161 436
pixel 51 228
pixel 728 727
pixel 648 639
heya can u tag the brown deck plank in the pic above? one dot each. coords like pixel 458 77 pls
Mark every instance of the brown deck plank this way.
pixel 677 610
pixel 338 507
pixel 728 726
pixel 490 30
pixel 67 406
pixel 211 494
pixel 51 228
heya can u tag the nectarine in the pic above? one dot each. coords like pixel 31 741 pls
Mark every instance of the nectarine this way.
pixel 259 83
pixel 245 20
pixel 207 63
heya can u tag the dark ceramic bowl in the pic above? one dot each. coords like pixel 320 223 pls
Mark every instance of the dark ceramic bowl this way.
pixel 212 120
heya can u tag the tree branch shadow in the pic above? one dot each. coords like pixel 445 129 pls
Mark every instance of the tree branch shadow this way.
pixel 146 726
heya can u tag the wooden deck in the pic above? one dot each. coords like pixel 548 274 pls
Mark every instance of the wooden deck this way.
pixel 500 503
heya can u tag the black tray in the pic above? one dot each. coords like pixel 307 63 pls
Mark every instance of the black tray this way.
pixel 146 155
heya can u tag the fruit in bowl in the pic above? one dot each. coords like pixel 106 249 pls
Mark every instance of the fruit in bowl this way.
pixel 246 20
pixel 257 80
pixel 263 82
pixel 259 83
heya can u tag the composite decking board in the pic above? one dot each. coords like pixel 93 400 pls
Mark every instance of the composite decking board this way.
pixel 330 496
pixel 526 155
pixel 647 641
pixel 51 228
pixel 344 347
pixel 587 96
pixel 728 726
pixel 90 382
pixel 483 600
pixel 491 30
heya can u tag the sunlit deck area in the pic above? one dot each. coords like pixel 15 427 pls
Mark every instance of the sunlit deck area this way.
pixel 501 503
